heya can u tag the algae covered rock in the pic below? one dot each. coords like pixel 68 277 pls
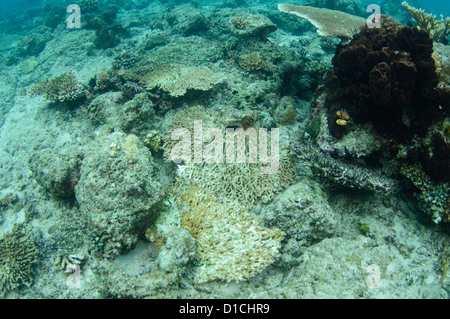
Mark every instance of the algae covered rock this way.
pixel 119 190
pixel 252 26
pixel 304 214
pixel 56 173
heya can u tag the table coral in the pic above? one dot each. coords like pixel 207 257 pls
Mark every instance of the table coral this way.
pixel 328 22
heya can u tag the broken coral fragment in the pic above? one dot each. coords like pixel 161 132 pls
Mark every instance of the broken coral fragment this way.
pixel 328 22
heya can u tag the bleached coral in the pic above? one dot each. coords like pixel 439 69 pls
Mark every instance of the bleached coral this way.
pixel 233 245
pixel 229 180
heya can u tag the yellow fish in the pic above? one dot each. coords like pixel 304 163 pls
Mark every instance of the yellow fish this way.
pixel 343 115
pixel 341 122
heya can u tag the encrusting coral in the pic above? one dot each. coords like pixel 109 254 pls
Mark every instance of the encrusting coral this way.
pixel 438 29
pixel 338 173
pixel 328 22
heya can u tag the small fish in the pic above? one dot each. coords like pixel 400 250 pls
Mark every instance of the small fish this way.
pixel 341 122
pixel 343 115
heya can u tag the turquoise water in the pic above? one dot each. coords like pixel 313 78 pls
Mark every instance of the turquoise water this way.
pixel 120 176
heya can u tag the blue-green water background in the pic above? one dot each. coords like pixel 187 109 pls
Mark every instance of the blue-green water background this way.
pixel 10 8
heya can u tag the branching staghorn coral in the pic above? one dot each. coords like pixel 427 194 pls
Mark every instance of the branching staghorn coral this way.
pixel 228 180
pixel 233 245
pixel 18 253
pixel 328 22
pixel 62 88
pixel 438 29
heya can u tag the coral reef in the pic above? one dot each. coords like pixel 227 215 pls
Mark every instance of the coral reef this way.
pixel 438 29
pixel 62 88
pixel 328 22
pixel 18 254
pixel 233 245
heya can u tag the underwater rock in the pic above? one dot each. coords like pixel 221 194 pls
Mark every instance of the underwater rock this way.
pixel 303 213
pixel 56 173
pixel 253 26
pixel 105 108
pixel 187 20
pixel 118 190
